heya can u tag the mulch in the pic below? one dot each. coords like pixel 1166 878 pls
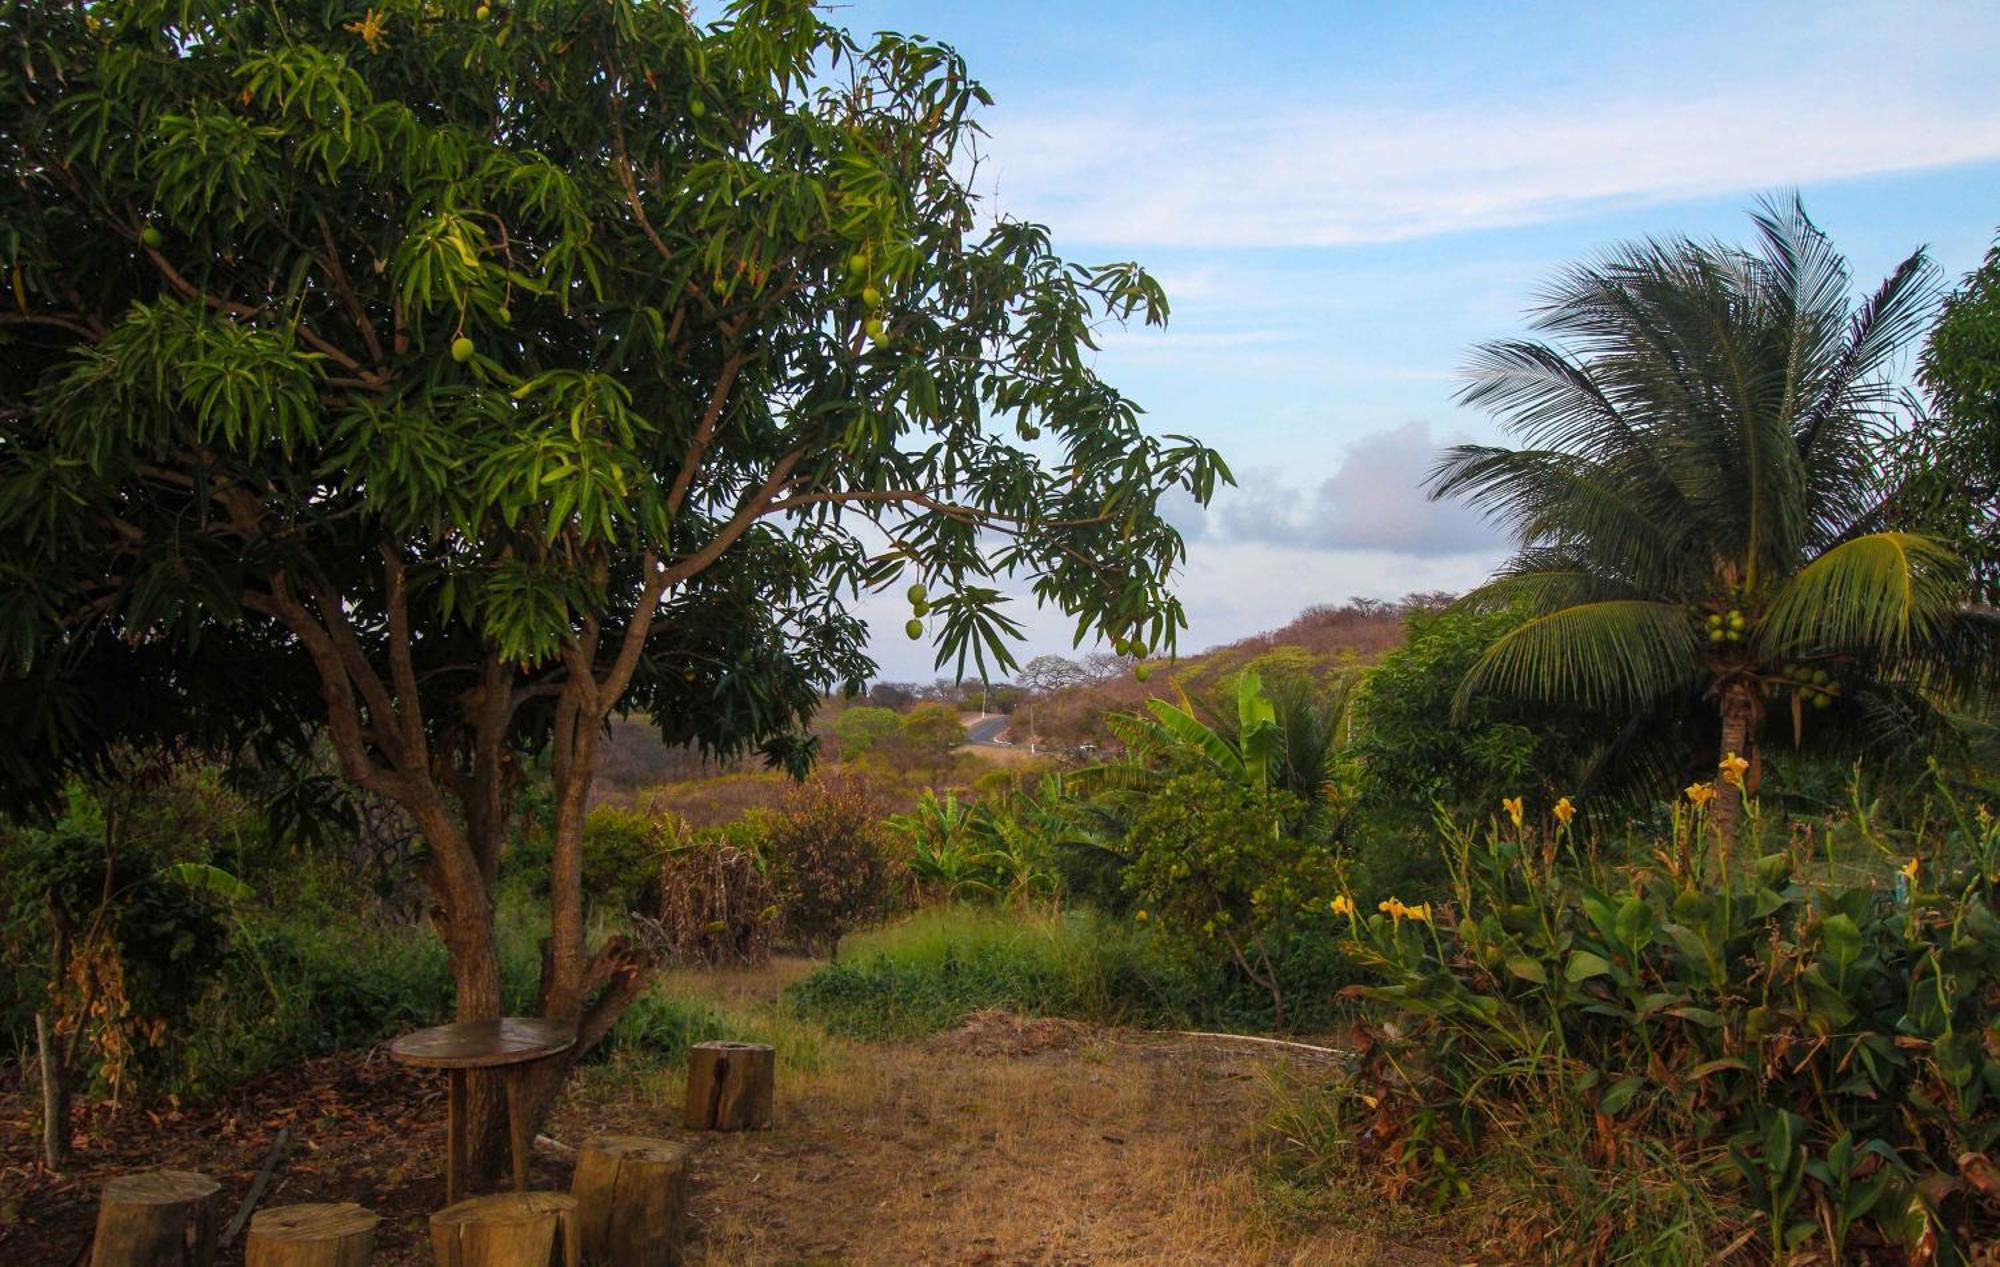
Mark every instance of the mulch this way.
pixel 362 1128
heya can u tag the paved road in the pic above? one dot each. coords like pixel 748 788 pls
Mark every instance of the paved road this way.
pixel 984 732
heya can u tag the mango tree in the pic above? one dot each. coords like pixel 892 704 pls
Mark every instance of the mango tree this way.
pixel 466 375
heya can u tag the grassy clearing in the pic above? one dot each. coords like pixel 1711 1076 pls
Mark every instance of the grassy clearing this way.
pixel 928 972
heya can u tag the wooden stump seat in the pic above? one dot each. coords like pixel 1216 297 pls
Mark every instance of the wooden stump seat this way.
pixel 631 1200
pixel 162 1218
pixel 340 1235
pixel 730 1087
pixel 508 1229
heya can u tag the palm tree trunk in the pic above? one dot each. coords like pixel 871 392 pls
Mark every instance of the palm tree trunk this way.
pixel 1739 736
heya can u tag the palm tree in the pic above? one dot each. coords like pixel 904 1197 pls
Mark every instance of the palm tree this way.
pixel 1699 501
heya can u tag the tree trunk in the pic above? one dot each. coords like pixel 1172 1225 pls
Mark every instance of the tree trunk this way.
pixel 1739 736
pixel 55 1094
pixel 469 939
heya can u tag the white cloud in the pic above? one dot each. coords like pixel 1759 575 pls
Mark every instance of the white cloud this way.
pixel 1277 173
pixel 1374 500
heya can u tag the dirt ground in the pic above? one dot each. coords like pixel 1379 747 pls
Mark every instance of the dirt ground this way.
pixel 1007 1142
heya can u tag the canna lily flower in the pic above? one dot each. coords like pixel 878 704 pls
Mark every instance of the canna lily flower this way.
pixel 1732 768
pixel 1342 905
pixel 1512 804
pixel 1911 868
pixel 1700 793
pixel 1565 810
pixel 1420 912
pixel 1394 909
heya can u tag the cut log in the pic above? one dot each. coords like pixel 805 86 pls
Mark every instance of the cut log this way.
pixel 508 1229
pixel 311 1236
pixel 631 1200
pixel 163 1218
pixel 730 1087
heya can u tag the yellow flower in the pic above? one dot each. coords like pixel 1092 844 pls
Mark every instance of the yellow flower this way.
pixel 372 28
pixel 1732 768
pixel 1911 868
pixel 1700 793
pixel 1420 912
pixel 1392 908
pixel 1343 905
pixel 1565 810
pixel 1141 917
pixel 1512 804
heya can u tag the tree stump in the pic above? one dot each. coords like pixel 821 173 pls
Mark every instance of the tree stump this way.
pixel 311 1236
pixel 631 1199
pixel 730 1087
pixel 507 1229
pixel 163 1218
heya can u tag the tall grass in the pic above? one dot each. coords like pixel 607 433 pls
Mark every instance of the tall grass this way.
pixel 930 971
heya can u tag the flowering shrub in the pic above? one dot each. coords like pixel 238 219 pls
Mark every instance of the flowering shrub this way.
pixel 1813 1065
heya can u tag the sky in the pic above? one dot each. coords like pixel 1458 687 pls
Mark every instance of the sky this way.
pixel 1342 198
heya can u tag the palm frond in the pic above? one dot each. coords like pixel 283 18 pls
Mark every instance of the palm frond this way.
pixel 1876 595
pixel 1618 655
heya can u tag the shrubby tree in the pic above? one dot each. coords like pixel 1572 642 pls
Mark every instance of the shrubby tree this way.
pixel 1047 673
pixel 458 380
pixel 1700 506
pixel 1950 460
pixel 862 729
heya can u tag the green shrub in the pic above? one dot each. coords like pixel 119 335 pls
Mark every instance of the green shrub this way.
pixel 622 853
pixel 1213 865
pixel 1724 1046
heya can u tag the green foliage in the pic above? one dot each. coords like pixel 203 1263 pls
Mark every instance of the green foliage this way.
pixel 862 728
pixel 516 328
pixel 1417 751
pixel 1700 502
pixel 929 733
pixel 1212 866
pixel 1828 1044
pixel 931 971
pixel 1950 462
pixel 622 853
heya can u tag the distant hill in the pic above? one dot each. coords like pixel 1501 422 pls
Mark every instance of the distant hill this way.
pixel 1322 642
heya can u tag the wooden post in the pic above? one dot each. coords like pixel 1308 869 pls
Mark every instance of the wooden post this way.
pixel 164 1218
pixel 508 1229
pixel 631 1200
pixel 311 1236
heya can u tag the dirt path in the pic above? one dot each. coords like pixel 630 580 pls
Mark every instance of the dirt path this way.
pixel 1005 1143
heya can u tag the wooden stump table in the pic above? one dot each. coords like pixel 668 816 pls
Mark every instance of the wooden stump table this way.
pixel 340 1235
pixel 509 1044
pixel 163 1218
pixel 729 1087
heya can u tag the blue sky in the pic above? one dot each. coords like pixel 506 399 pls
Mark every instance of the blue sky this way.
pixel 1341 198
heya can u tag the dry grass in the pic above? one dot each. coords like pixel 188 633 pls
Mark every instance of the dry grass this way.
pixel 1006 1143
pixel 1009 1142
